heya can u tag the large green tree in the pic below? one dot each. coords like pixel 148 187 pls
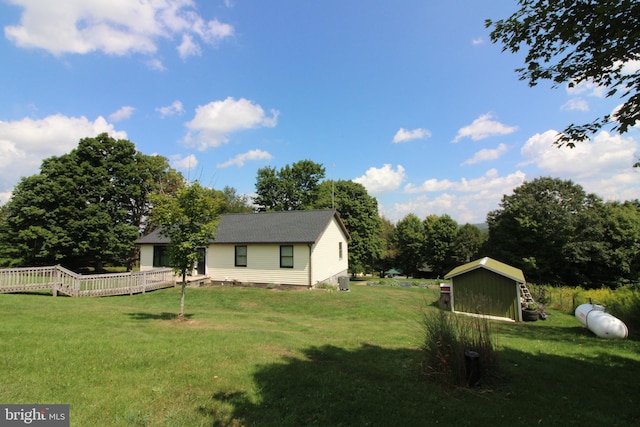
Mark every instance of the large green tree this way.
pixel 576 41
pixel 84 208
pixel 534 225
pixel 189 219
pixel 468 242
pixel 411 242
pixel 292 187
pixel 606 247
pixel 440 241
pixel 359 212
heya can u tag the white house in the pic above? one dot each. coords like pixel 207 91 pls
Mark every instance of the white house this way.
pixel 288 248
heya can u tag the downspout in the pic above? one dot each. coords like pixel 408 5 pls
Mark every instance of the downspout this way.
pixel 310 265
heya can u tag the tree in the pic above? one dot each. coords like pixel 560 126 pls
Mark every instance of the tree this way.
pixel 84 208
pixel 469 239
pixel 579 41
pixel 411 242
pixel 441 232
pixel 189 219
pixel 232 202
pixel 359 212
pixel 390 251
pixel 606 247
pixel 291 188
pixel 535 224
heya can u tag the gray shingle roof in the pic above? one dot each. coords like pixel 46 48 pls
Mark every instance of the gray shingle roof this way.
pixel 266 227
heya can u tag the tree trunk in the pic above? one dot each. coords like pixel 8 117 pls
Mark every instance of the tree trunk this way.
pixel 184 284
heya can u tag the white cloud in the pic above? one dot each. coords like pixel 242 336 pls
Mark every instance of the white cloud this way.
pixel 171 110
pixel 248 156
pixel 483 127
pixel 486 155
pixel 489 181
pixel 575 104
pixel 588 88
pixel 122 114
pixel 404 135
pixel 630 67
pixel 382 180
pixel 116 27
pixel 214 121
pixel 588 160
pixel 467 200
pixel 25 143
pixel 477 41
pixel 188 47
pixel 155 64
pixel 185 163
pixel 602 166
pixel 430 185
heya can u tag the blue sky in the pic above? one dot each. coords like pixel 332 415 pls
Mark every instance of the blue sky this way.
pixel 409 98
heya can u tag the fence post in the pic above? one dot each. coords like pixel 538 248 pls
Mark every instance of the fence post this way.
pixel 56 279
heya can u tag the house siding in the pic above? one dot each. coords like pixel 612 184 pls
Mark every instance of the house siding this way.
pixel 146 257
pixel 263 265
pixel 327 265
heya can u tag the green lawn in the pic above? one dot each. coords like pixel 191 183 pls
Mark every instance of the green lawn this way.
pixel 292 358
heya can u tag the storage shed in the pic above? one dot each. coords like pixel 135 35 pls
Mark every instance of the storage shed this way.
pixel 487 287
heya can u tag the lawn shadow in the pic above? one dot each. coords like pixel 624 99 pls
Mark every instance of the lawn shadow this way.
pixel 157 316
pixel 330 386
pixel 371 385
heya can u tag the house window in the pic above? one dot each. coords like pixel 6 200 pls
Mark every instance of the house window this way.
pixel 241 256
pixel 340 250
pixel 161 256
pixel 286 256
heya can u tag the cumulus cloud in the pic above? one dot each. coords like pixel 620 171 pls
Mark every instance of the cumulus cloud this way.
pixel 484 127
pixel 122 114
pixel 404 135
pixel 588 88
pixel 188 47
pixel 590 159
pixel 602 165
pixel 466 200
pixel 184 163
pixel 477 41
pixel 486 155
pixel 171 110
pixel 25 143
pixel 489 181
pixel 575 104
pixel 382 180
pixel 240 159
pixel 116 27
pixel 214 121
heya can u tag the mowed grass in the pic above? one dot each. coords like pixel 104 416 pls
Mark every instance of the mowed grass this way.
pixel 291 358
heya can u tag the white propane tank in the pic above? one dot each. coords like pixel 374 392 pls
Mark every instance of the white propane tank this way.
pixel 601 323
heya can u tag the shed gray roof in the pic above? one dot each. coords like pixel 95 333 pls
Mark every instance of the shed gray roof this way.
pixel 266 227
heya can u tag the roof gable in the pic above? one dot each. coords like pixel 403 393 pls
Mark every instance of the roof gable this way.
pixel 491 265
pixel 266 227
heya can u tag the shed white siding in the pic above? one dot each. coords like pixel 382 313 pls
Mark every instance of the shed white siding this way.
pixel 263 265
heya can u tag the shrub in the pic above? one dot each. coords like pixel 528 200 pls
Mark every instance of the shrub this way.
pixel 623 302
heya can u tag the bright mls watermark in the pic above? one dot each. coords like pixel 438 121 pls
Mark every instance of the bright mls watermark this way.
pixel 34 415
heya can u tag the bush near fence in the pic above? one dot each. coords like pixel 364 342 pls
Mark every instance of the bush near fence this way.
pixel 622 302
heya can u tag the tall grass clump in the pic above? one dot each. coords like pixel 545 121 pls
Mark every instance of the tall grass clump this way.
pixel 458 350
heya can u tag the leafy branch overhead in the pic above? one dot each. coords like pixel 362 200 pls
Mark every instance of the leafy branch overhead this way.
pixel 573 42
